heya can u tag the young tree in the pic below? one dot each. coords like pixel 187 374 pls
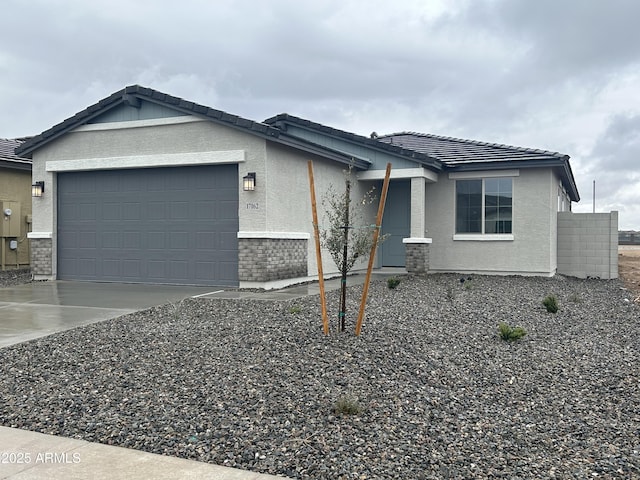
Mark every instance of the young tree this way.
pixel 347 237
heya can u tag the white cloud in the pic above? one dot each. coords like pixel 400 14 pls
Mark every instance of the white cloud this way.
pixel 544 74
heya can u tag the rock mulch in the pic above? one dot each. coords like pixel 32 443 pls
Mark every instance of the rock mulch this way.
pixel 255 384
pixel 10 278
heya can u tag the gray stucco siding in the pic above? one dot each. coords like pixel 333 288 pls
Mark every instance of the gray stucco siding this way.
pixel 530 250
pixel 288 198
pixel 138 138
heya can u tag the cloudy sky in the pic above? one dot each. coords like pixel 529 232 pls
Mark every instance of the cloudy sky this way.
pixel 551 74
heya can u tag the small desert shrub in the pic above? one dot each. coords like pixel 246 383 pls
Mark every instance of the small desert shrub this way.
pixel 509 333
pixel 575 298
pixel 551 303
pixel 295 309
pixel 467 283
pixel 347 405
pixel 393 282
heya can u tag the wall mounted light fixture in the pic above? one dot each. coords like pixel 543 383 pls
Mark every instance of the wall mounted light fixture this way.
pixel 249 182
pixel 37 189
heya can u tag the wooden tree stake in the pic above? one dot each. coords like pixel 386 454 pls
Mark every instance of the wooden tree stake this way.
pixel 316 234
pixel 376 234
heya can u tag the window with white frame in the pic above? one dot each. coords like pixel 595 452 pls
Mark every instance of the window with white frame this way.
pixel 484 205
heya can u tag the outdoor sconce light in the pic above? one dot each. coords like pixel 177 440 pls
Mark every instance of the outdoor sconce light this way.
pixel 37 189
pixel 249 182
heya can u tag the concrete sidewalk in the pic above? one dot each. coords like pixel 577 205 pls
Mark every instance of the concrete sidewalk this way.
pixel 35 456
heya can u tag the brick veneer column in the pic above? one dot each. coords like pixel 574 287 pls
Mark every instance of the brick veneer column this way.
pixel 417 255
pixel 41 257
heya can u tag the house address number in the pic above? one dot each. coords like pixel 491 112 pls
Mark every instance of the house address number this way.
pixel 253 206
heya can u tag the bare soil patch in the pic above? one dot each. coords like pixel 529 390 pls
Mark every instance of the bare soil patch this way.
pixel 629 269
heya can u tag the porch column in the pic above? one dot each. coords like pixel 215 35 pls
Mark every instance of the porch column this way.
pixel 418 201
pixel 417 245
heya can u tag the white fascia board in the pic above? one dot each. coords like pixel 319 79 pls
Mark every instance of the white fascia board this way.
pixel 147 161
pixel 276 235
pixel 399 173
pixel 484 174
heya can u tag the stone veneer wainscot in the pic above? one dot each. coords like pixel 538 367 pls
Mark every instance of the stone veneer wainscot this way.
pixel 268 256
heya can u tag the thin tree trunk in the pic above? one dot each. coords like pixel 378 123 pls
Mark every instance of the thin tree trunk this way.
pixel 343 300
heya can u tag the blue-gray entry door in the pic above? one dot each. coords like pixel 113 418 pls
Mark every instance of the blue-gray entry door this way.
pixel 174 225
pixel 396 223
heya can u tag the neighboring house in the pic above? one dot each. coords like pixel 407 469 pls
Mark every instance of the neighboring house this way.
pixel 146 187
pixel 15 206
pixel 628 237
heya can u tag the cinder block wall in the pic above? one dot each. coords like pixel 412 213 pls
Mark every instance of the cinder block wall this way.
pixel 588 244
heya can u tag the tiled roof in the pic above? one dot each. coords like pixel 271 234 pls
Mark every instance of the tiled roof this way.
pixel 282 119
pixel 133 93
pixel 8 157
pixel 137 91
pixel 433 151
pixel 460 154
pixel 454 151
pixel 8 147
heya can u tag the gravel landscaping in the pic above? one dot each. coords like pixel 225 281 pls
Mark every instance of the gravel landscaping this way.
pixel 437 394
pixel 10 278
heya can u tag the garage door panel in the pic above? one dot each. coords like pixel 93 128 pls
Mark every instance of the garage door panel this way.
pixel 164 225
pixel 132 240
pixel 131 211
pixel 156 211
pixel 87 240
pixel 87 266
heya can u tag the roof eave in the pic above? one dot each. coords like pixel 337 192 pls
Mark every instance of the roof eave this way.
pixel 282 120
pixel 16 164
pixel 27 148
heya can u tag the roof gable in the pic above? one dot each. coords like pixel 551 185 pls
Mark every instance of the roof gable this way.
pixel 123 101
pixel 143 110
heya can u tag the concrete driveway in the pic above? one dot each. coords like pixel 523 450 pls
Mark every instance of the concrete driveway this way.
pixel 41 308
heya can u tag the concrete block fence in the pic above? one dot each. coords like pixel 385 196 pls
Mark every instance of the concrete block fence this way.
pixel 588 244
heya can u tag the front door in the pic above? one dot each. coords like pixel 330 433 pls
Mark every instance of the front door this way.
pixel 396 223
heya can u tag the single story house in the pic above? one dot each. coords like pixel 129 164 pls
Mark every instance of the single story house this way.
pixel 146 187
pixel 628 237
pixel 15 206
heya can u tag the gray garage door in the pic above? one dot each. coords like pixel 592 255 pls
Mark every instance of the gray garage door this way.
pixel 153 225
